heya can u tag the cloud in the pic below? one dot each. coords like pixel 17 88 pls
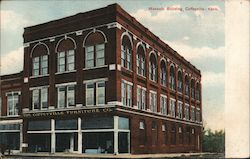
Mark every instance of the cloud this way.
pixel 12 20
pixel 196 53
pixel 213 79
pixel 12 62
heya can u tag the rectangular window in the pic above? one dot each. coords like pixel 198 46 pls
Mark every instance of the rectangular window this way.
pixel 100 93
pixel 90 94
pixel 179 110
pixel 153 101
pixel 187 111
pixel 198 115
pixel 35 99
pixel 164 105
pixel 70 60
pixel 65 96
pixel 71 95
pixel 44 98
pixel 12 103
pixel 126 94
pixel 141 98
pixel 100 55
pixel 172 107
pixel 193 113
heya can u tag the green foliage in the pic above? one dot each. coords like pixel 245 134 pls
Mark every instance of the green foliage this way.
pixel 214 141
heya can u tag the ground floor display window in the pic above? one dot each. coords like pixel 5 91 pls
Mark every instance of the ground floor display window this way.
pixel 39 142
pixel 101 142
pixel 66 142
pixel 11 140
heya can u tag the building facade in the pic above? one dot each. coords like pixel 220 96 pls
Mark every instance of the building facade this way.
pixel 101 82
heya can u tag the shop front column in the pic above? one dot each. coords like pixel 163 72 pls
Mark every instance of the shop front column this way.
pixel 53 136
pixel 116 134
pixel 79 136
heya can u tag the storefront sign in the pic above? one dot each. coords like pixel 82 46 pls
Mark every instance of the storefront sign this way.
pixel 68 112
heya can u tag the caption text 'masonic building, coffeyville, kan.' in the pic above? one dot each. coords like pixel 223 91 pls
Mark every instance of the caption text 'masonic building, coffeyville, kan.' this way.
pixel 100 82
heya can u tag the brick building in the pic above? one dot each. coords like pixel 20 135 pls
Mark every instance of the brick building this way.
pixel 101 82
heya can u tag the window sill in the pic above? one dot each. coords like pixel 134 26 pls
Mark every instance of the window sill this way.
pixel 96 67
pixel 57 73
pixel 126 69
pixel 31 77
pixel 141 76
pixel 12 116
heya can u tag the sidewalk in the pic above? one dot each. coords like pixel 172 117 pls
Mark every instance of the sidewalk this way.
pixel 70 155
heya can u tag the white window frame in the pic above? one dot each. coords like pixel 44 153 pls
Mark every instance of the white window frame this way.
pixel 66 61
pixel 93 98
pixel 180 109
pixel 40 65
pixel 39 89
pixel 126 98
pixel 172 107
pixel 153 101
pixel 66 85
pixel 141 97
pixel 187 111
pixel 164 104
pixel 142 125
pixel 12 94
pixel 97 93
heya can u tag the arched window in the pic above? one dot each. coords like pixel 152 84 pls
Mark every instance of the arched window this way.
pixel 192 88
pixel 197 92
pixel 180 82
pixel 39 56
pixel 94 50
pixel 153 67
pixel 65 55
pixel 186 86
pixel 126 53
pixel 140 61
pixel 172 78
pixel 163 73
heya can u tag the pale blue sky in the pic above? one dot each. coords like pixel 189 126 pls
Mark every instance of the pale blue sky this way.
pixel 196 35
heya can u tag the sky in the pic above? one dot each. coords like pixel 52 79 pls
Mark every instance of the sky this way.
pixel 196 32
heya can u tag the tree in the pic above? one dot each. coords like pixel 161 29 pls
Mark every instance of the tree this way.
pixel 214 141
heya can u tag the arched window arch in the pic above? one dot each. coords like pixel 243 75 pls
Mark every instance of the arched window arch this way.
pixel 163 73
pixel 187 86
pixel 126 53
pixel 94 50
pixel 140 61
pixel 180 81
pixel 39 55
pixel 192 88
pixel 65 54
pixel 198 91
pixel 172 78
pixel 153 67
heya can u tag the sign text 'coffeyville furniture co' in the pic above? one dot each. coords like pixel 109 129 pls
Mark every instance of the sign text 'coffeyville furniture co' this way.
pixel 68 112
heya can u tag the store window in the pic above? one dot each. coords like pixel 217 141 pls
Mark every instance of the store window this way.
pixel 126 93
pixel 13 103
pixel 95 50
pixel 140 61
pixel 141 98
pixel 65 96
pixel 95 93
pixel 126 53
pixel 153 101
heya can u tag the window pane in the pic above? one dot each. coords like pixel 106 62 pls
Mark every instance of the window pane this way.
pixel 35 99
pixel 61 97
pixel 89 94
pixel 98 123
pixel 123 93
pixel 123 123
pixel 66 124
pixel 44 97
pixel 129 95
pixel 101 93
pixel 71 95
pixel 39 125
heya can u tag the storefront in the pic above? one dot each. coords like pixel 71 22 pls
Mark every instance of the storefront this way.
pixel 10 135
pixel 98 134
